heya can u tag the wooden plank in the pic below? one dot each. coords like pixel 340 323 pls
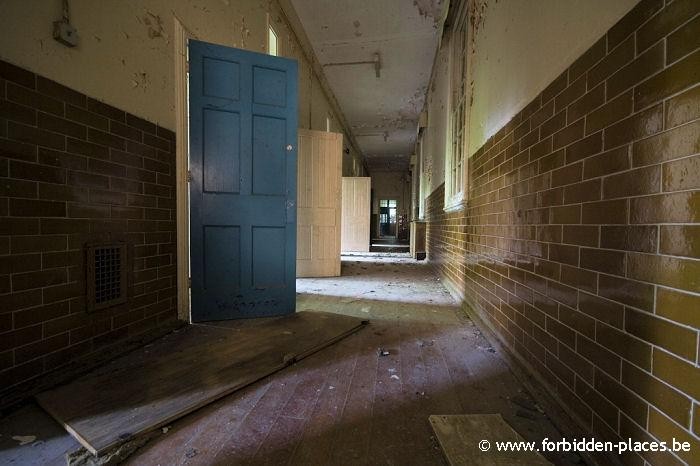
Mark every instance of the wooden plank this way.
pixel 356 214
pixel 153 386
pixel 460 437
pixel 320 158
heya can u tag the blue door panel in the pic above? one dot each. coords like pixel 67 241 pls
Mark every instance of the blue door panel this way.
pixel 221 151
pixel 221 78
pixel 269 160
pixel 243 117
pixel 268 257
pixel 222 259
pixel 269 86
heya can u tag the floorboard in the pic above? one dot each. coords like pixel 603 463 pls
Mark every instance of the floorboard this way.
pixel 461 438
pixel 260 424
pixel 184 371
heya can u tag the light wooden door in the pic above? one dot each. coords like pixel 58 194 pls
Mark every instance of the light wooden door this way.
pixel 318 203
pixel 356 214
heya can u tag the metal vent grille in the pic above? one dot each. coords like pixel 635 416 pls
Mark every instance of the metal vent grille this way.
pixel 106 275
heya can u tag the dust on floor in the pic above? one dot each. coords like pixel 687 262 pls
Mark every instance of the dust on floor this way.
pixel 364 400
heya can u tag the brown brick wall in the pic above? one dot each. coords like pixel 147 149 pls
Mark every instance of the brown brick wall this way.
pixel 74 170
pixel 580 243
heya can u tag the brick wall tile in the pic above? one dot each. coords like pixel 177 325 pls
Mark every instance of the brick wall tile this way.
pixel 678 142
pixel 644 10
pixel 679 340
pixel 682 207
pixel 666 21
pixel 623 344
pixel 69 165
pixel 25 96
pixel 680 240
pixel 657 393
pixel 30 134
pixel 683 108
pixel 678 306
pixel 676 77
pixel 637 182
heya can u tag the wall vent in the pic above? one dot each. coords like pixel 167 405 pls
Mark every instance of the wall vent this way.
pixel 106 275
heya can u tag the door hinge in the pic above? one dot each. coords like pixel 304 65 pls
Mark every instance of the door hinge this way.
pixel 187 66
pixel 189 176
pixel 189 282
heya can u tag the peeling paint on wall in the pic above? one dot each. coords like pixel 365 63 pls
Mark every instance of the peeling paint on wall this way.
pixel 141 80
pixel 431 9
pixel 357 25
pixel 477 16
pixel 154 25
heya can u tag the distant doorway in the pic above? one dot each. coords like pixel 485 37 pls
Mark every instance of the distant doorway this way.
pixel 387 218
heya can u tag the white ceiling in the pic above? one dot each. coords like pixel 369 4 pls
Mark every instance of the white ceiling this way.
pixel 382 112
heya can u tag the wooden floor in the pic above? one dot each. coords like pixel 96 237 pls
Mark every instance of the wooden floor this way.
pixel 350 406
pixel 347 404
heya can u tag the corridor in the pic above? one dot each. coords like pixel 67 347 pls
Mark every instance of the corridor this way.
pixel 292 231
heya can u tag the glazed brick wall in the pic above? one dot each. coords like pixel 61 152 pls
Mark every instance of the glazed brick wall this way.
pixel 580 241
pixel 74 170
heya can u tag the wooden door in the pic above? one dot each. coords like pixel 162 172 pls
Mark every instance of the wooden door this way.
pixel 356 214
pixel 318 202
pixel 243 137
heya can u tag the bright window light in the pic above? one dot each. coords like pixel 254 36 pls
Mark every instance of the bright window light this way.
pixel 272 41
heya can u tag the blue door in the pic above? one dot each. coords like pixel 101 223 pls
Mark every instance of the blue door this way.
pixel 243 152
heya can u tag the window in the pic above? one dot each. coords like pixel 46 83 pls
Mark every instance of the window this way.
pixel 271 41
pixel 456 163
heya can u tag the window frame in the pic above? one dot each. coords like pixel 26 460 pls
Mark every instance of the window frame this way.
pixel 271 31
pixel 456 157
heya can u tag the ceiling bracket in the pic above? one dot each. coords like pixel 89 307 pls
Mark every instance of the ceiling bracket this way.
pixel 376 61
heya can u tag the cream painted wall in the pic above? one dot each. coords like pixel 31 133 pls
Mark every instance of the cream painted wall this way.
pixel 126 54
pixel 392 185
pixel 435 135
pixel 522 46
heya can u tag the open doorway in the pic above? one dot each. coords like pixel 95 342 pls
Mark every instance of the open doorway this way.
pixel 387 218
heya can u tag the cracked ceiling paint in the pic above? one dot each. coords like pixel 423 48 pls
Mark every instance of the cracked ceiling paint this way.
pixel 382 112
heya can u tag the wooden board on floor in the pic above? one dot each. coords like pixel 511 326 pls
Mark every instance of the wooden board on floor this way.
pixel 460 436
pixel 183 371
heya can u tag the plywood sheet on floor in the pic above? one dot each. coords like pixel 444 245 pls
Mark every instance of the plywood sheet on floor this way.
pixel 461 438
pixel 153 386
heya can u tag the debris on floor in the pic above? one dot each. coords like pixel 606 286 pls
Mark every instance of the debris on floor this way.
pixel 526 403
pixel 383 352
pixel 117 455
pixel 424 343
pixel 24 439
pixel 526 414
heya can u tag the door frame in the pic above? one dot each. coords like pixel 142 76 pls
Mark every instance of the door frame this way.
pixel 379 219
pixel 181 38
